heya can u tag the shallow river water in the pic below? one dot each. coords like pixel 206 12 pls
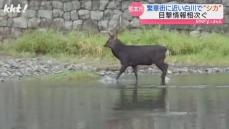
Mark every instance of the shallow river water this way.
pixel 188 102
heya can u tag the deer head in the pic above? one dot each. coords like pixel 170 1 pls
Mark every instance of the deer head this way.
pixel 112 40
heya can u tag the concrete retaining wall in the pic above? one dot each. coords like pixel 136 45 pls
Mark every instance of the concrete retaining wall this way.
pixel 82 14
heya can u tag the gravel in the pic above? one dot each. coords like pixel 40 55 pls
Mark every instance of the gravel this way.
pixel 18 68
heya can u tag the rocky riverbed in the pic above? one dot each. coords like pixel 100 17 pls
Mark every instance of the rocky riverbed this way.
pixel 18 68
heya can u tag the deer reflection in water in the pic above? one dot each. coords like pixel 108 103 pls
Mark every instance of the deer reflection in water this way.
pixel 142 98
pixel 136 105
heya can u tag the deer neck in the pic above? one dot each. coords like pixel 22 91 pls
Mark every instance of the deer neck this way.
pixel 118 48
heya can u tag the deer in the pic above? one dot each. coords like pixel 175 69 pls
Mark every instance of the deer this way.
pixel 135 55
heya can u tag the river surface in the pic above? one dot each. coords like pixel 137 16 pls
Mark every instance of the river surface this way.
pixel 188 102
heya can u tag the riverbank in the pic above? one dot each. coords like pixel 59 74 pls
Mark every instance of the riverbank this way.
pixel 12 68
pixel 41 53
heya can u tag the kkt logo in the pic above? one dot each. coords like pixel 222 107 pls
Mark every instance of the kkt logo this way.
pixel 14 9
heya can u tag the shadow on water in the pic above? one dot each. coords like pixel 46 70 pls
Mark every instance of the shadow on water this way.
pixel 92 105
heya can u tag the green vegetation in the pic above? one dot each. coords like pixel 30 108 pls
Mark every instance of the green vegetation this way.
pixel 208 49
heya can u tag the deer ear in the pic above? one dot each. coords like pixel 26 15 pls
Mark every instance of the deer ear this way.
pixel 110 34
pixel 115 36
pixel 115 33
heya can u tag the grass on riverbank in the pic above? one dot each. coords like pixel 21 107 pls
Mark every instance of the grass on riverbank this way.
pixel 207 49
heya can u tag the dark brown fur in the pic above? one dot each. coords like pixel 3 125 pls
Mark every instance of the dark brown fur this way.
pixel 130 55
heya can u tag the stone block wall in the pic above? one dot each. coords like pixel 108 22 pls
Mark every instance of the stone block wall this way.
pixel 93 15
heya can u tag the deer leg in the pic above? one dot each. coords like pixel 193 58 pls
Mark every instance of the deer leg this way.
pixel 163 67
pixel 166 67
pixel 135 70
pixel 122 69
